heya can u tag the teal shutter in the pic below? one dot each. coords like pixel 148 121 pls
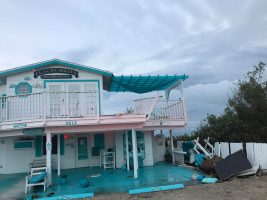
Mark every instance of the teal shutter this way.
pixel 62 144
pixel 99 140
pixel 38 146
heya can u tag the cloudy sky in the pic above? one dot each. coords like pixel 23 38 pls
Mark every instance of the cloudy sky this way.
pixel 215 42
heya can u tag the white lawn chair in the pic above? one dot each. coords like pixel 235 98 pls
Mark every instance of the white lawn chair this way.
pixel 35 172
pixel 199 147
pixel 109 160
pixel 208 146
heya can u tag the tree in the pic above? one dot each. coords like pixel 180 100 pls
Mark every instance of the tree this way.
pixel 249 102
pixel 245 116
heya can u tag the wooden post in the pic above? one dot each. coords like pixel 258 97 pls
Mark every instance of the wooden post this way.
pixel 49 158
pixel 58 156
pixel 172 148
pixel 135 156
pixel 127 151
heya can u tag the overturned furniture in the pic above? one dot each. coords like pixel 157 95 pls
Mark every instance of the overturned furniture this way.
pixel 232 165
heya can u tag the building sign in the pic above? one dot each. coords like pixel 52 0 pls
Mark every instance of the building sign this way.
pixel 20 125
pixel 33 131
pixel 56 73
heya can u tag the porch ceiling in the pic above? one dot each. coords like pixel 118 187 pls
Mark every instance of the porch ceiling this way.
pixel 143 84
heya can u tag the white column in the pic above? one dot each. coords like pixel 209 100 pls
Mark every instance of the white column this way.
pixel 49 158
pixel 58 156
pixel 135 156
pixel 127 151
pixel 183 100
pixel 173 159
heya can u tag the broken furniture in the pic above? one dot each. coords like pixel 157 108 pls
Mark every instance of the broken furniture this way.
pixel 232 165
pixel 198 148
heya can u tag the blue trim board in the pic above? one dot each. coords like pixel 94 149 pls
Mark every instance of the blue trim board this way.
pixel 93 80
pixel 54 62
pixel 156 189
pixel 71 196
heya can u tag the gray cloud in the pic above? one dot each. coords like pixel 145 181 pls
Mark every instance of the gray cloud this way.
pixel 215 42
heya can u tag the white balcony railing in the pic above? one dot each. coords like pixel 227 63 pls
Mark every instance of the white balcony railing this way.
pixel 157 108
pixel 49 105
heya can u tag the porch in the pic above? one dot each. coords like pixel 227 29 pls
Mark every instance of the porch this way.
pixel 120 180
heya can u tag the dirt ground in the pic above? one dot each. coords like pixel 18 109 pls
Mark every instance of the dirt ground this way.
pixel 247 188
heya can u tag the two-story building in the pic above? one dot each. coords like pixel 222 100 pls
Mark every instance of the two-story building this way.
pixel 53 110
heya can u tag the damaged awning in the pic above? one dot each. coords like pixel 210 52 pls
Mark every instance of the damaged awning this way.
pixel 143 84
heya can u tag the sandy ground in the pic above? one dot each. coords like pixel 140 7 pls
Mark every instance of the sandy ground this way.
pixel 249 188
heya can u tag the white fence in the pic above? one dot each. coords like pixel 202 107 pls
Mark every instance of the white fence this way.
pixel 256 152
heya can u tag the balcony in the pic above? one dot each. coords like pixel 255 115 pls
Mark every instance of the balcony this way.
pixel 51 105
pixel 81 107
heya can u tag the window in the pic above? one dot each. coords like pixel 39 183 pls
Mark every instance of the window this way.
pixel 23 88
pixel 54 144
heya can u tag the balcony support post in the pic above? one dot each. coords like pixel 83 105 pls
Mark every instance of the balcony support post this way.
pixel 49 158
pixel 172 147
pixel 127 151
pixel 181 88
pixel 135 155
pixel 58 156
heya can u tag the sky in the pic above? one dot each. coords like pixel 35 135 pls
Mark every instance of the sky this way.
pixel 214 42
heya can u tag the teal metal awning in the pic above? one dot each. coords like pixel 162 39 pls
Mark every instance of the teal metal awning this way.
pixel 143 84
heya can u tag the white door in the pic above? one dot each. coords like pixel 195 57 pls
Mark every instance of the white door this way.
pixel 74 100
pixel 91 107
pixel 57 100
pixel 82 151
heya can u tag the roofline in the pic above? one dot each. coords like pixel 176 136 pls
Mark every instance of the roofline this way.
pixel 54 62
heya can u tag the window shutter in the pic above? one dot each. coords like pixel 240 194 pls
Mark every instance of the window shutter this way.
pixel 62 145
pixel 38 146
pixel 99 141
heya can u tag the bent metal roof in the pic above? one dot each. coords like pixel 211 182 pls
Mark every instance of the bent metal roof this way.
pixel 137 84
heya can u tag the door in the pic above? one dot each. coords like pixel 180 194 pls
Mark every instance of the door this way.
pixel 91 99
pixel 82 153
pixel 74 100
pixel 57 100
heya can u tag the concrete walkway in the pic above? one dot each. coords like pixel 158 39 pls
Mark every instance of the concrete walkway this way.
pixel 14 192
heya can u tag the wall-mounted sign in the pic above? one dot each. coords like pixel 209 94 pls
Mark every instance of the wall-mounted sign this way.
pixel 20 125
pixel 33 131
pixel 56 73
pixel 71 123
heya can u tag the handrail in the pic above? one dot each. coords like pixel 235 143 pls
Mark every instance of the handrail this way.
pixel 49 105
pixel 157 108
